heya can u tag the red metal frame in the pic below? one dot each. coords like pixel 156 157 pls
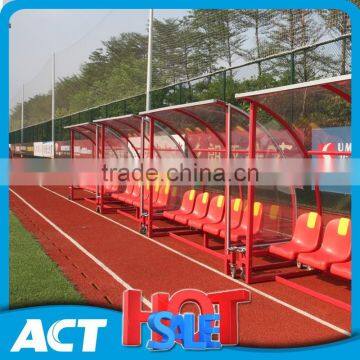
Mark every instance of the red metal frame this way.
pixel 230 259
pixel 284 280
pixel 250 196
pixel 151 191
pixel 72 154
pixel 231 256
pixel 71 195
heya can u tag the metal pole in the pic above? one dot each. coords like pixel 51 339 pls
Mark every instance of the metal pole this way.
pixel 150 122
pixel 22 114
pixel 151 192
pixel 250 195
pixel 149 62
pixel 72 144
pixel 53 105
pixel 227 193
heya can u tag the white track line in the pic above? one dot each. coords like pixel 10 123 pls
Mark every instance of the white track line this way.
pixel 255 290
pixel 81 248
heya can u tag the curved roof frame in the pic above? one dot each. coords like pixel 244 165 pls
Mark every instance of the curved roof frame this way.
pixel 176 132
pixel 328 84
pixel 88 126
pixel 121 136
pixel 183 110
pixel 120 133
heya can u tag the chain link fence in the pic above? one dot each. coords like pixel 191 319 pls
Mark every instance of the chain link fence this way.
pixel 198 54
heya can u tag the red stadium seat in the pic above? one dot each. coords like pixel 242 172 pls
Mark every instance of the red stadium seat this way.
pixel 342 269
pixel 236 214
pixel 111 186
pixel 306 237
pixel 240 232
pixel 136 202
pixel 136 197
pixel 128 190
pixel 162 197
pixel 199 212
pixel 214 215
pixel 335 247
pixel 187 206
pixel 129 198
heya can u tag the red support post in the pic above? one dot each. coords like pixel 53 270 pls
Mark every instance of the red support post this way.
pixel 151 189
pixel 71 196
pixel 293 208
pixel 102 151
pixel 232 260
pixel 142 156
pixel 250 195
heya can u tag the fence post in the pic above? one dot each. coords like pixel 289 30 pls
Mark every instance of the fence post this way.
pixel 53 106
pixel 22 116
pixel 292 79
pixel 180 93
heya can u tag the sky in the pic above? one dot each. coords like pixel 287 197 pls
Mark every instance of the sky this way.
pixel 71 35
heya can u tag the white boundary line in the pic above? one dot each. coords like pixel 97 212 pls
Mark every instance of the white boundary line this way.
pixel 82 249
pixel 255 290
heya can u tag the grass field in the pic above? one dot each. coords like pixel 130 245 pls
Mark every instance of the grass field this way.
pixel 34 278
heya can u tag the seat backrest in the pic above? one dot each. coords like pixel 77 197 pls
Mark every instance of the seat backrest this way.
pixel 236 212
pixel 216 209
pixel 337 238
pixel 136 189
pixel 129 188
pixel 258 217
pixel 307 230
pixel 188 201
pixel 164 194
pixel 272 217
pixel 113 184
pixel 201 204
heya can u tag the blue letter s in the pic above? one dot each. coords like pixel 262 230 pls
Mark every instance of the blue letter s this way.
pixel 168 336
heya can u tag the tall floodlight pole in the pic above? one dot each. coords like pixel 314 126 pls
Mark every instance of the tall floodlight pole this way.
pixel 149 62
pixel 53 105
pixel 22 114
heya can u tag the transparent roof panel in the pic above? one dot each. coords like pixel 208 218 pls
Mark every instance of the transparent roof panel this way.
pixel 87 130
pixel 127 126
pixel 201 124
pixel 306 106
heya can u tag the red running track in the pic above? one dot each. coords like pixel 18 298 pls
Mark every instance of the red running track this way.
pixel 102 258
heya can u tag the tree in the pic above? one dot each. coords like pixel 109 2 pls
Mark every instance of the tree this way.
pixel 291 30
pixel 260 22
pixel 338 23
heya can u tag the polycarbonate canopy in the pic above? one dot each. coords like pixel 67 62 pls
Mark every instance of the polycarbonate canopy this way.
pixel 87 130
pixel 202 128
pixel 122 134
pixel 306 106
pixel 127 128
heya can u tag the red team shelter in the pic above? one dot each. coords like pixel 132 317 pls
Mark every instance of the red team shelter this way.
pixel 260 232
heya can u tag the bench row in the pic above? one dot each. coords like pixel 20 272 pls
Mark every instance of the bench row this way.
pixel 200 212
pixel 330 252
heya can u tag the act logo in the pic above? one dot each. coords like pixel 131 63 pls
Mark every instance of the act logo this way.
pixel 32 336
pixel 216 325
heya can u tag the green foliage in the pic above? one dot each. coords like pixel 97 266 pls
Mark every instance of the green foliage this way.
pixel 34 278
pixel 202 42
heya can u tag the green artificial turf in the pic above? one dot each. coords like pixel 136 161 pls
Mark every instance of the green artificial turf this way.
pixel 34 278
